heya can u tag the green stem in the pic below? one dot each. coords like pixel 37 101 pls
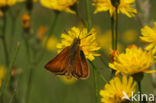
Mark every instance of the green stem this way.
pixel 13 29
pixel 30 76
pixel 103 78
pixel 79 16
pixel 3 37
pixel 53 25
pixel 88 11
pixel 7 76
pixel 139 88
pixel 113 35
pixel 52 28
pixel 113 40
pixel 95 81
pixel 116 30
pixel 94 67
pixel 30 73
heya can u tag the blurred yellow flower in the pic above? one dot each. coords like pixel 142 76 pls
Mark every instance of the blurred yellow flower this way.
pixel 4 3
pixel 87 43
pixel 129 36
pixel 105 41
pixel 149 36
pixel 133 61
pixel 68 81
pixel 51 43
pixel 114 91
pixel 2 74
pixel 125 7
pixel 59 5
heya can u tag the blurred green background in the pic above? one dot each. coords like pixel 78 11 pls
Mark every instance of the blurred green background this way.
pixel 45 87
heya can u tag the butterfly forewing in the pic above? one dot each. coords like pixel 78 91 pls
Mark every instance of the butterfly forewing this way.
pixel 58 65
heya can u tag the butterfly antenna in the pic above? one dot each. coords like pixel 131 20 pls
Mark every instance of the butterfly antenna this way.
pixel 87 35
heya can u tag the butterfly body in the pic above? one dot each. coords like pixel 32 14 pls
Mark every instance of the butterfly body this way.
pixel 70 62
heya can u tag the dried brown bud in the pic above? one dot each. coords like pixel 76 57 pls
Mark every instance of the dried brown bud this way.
pixel 26 21
pixel 113 54
pixel 131 46
pixel 41 32
pixel 1 14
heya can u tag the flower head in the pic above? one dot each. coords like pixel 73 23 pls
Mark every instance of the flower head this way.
pixel 149 36
pixel 125 7
pixel 50 43
pixel 59 5
pixel 114 91
pixel 4 3
pixel 2 74
pixel 68 81
pixel 133 61
pixel 87 43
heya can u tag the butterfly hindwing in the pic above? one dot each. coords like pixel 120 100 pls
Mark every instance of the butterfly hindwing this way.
pixel 80 67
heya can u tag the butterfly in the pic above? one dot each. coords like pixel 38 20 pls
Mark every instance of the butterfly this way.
pixel 70 62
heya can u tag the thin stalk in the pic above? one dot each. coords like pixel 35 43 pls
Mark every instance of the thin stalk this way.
pixel 95 81
pixel 113 35
pixel 51 31
pixel 79 16
pixel 7 76
pixel 139 88
pixel 52 27
pixel 116 30
pixel 13 29
pixel 3 37
pixel 88 11
pixel 103 78
pixel 114 27
pixel 34 63
pixel 89 20
pixel 113 39
pixel 30 75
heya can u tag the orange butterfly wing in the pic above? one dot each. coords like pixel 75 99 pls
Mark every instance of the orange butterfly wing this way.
pixel 80 67
pixel 58 65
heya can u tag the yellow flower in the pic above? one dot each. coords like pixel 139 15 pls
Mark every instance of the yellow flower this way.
pixel 105 41
pixel 51 43
pixel 87 43
pixel 59 5
pixel 130 36
pixel 149 36
pixel 133 61
pixel 68 81
pixel 8 2
pixel 2 74
pixel 124 7
pixel 114 91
